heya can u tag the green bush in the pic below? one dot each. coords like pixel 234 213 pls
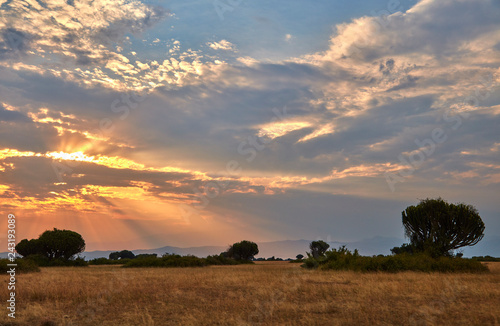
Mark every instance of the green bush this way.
pixel 43 261
pixel 343 259
pixel 294 261
pixel 23 266
pixel 182 261
pixel 167 261
pixel 106 261
pixel 222 260
pixel 486 258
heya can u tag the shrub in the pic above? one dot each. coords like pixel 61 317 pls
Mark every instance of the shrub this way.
pixel 223 260
pixel 43 261
pixel 166 261
pixel 106 261
pixel 343 259
pixel 23 266
pixel 171 260
pixel 485 258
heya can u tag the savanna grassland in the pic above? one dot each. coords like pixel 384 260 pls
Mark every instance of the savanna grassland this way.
pixel 268 293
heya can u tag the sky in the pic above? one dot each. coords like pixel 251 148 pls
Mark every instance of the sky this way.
pixel 191 123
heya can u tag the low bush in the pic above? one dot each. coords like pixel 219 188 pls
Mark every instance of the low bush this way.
pixel 106 261
pixel 172 260
pixel 343 259
pixel 296 261
pixel 43 261
pixel 167 261
pixel 222 260
pixel 23 266
pixel 485 258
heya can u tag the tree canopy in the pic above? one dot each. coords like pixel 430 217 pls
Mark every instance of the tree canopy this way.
pixel 244 250
pixel 318 248
pixel 437 227
pixel 121 255
pixel 27 247
pixel 53 244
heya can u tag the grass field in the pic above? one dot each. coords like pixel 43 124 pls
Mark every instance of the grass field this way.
pixel 268 293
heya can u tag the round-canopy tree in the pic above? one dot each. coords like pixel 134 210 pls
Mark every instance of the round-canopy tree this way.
pixel 61 243
pixel 121 255
pixel 437 227
pixel 27 247
pixel 53 244
pixel 318 248
pixel 244 250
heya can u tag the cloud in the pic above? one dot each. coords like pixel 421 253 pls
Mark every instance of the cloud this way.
pixel 221 45
pixel 436 28
pixel 11 115
pixel 14 43
pixel 81 34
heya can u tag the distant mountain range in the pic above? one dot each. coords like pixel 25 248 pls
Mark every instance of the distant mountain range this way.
pixel 291 248
pixel 282 249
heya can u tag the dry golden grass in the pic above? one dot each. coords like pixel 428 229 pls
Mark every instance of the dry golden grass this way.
pixel 270 293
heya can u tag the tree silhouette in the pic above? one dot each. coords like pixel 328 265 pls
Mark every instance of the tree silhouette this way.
pixel 55 244
pixel 437 227
pixel 114 255
pixel 318 248
pixel 121 255
pixel 27 247
pixel 244 250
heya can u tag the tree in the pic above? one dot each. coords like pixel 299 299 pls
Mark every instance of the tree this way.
pixel 114 255
pixel 61 244
pixel 27 247
pixel 128 254
pixel 299 256
pixel 437 227
pixel 55 244
pixel 244 250
pixel 121 255
pixel 318 248
pixel 404 249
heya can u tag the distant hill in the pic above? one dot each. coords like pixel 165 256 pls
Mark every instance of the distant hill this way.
pixel 489 246
pixel 290 248
pixel 283 249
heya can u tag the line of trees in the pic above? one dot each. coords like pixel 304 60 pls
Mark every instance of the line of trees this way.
pixel 434 227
